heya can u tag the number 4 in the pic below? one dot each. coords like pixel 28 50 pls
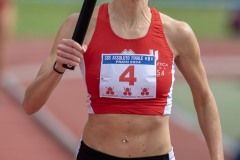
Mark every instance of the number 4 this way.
pixel 128 76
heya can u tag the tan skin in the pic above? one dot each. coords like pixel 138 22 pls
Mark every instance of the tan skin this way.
pixel 131 19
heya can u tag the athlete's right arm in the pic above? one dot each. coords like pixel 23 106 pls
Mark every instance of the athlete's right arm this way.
pixel 64 51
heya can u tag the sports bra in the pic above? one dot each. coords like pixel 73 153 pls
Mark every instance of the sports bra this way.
pixel 128 76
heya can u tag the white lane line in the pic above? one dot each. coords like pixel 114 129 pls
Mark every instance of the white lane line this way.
pixel 13 86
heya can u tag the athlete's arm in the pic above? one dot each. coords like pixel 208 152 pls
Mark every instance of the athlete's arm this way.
pixel 64 51
pixel 189 63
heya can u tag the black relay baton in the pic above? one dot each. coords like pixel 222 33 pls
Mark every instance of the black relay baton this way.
pixel 82 24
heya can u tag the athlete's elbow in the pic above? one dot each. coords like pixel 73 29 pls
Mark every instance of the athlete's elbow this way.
pixel 30 107
pixel 29 111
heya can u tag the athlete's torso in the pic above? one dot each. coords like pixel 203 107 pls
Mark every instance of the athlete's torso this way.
pixel 128 76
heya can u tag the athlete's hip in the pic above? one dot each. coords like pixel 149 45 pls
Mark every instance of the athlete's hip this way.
pixel 87 153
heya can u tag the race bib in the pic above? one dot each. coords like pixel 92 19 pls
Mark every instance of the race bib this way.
pixel 128 76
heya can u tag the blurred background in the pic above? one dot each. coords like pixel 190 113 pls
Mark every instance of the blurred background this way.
pixel 27 31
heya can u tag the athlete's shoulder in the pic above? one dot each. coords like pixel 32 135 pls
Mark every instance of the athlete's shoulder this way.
pixel 178 33
pixel 175 28
pixel 70 22
pixel 72 19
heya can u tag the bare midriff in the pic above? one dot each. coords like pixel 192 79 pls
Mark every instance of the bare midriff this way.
pixel 124 135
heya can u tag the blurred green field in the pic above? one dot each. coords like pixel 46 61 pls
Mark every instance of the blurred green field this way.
pixel 36 19
pixel 226 93
pixel 41 19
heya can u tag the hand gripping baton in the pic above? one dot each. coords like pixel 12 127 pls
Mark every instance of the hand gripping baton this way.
pixel 82 24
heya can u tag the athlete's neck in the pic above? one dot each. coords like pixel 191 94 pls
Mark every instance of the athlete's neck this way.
pixel 129 12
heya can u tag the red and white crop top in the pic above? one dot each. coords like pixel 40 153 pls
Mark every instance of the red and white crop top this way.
pixel 128 76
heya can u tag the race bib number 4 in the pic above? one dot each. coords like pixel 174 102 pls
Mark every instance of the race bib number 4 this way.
pixel 128 76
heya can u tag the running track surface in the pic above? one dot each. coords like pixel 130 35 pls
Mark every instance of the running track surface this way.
pixel 23 138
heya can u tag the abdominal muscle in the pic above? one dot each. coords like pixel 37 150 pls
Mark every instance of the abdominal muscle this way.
pixel 126 136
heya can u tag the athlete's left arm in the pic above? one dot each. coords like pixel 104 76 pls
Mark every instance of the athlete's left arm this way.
pixel 189 63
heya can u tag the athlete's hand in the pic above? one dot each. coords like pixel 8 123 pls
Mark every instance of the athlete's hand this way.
pixel 70 52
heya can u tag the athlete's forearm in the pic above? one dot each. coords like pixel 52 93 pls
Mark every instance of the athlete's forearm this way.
pixel 210 124
pixel 39 91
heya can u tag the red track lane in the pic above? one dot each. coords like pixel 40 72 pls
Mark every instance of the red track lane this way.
pixel 22 138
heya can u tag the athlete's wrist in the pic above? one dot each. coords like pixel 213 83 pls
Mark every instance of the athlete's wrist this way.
pixel 58 68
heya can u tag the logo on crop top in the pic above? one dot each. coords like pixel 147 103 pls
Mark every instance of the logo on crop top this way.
pixel 110 91
pixel 145 92
pixel 127 92
pixel 161 68
pixel 125 51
